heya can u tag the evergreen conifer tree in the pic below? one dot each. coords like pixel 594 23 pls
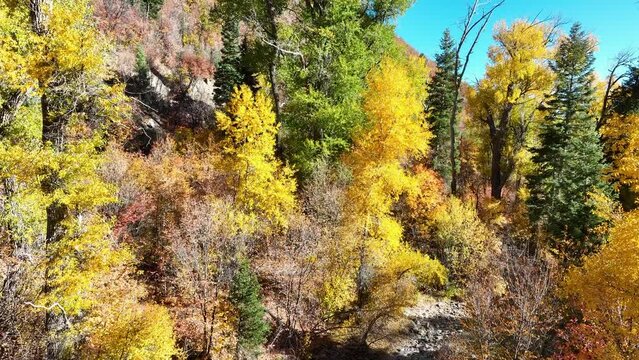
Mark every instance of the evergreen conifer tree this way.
pixel 246 298
pixel 439 106
pixel 228 74
pixel 570 157
pixel 141 83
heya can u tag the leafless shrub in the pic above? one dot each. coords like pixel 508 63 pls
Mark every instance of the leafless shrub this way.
pixel 203 258
pixel 293 270
pixel 510 311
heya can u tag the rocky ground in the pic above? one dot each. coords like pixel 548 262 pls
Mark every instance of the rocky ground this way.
pixel 433 323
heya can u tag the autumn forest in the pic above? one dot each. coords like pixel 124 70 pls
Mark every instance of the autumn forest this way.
pixel 286 179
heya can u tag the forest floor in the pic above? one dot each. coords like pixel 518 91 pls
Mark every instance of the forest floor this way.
pixel 433 322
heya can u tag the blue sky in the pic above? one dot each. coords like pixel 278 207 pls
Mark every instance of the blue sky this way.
pixel 615 23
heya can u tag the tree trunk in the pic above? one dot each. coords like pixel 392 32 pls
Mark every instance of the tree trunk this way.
pixel 495 168
pixel 13 273
pixel 361 278
pixel 497 139
pixel 9 109
pixel 272 71
pixel 52 132
pixel 38 14
pixel 272 68
pixel 469 24
pixel 453 162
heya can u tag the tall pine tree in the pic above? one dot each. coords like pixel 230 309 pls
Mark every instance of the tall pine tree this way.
pixel 570 157
pixel 439 106
pixel 228 74
pixel 246 298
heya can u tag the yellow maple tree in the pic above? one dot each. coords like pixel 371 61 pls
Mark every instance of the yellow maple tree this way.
pixel 51 157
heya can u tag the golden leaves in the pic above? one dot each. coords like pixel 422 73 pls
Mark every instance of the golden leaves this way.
pixel 264 187
pixel 622 136
pixel 372 237
pixel 607 286
pixel 517 64
pixel 393 104
pixel 72 46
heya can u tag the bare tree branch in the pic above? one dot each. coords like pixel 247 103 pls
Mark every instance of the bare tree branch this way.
pixel 281 49
pixel 624 58
pixel 470 23
pixel 51 307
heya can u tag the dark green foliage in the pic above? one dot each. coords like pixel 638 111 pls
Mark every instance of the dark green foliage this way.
pixel 228 74
pixel 141 80
pixel 256 12
pixel 439 106
pixel 245 296
pixel 384 10
pixel 255 60
pixel 339 42
pixel 140 85
pixel 570 158
pixel 625 99
pixel 256 55
pixel 150 7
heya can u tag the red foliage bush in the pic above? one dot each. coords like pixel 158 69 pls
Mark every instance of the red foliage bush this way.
pixel 580 341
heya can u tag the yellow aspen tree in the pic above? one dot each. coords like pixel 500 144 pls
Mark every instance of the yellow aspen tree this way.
pixel 49 166
pixel 127 328
pixel 606 288
pixel 516 75
pixel 384 271
pixel 622 138
pixel 263 186
pixel 60 53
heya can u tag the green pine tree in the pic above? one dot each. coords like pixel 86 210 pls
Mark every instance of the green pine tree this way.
pixel 228 74
pixel 142 80
pixel 245 296
pixel 439 106
pixel 570 157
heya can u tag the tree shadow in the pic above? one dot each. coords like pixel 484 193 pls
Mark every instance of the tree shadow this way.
pixel 331 350
pixel 327 349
